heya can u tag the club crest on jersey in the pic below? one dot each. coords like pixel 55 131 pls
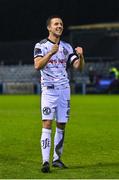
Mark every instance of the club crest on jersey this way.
pixel 46 110
pixel 65 51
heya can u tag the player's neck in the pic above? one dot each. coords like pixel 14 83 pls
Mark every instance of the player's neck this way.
pixel 54 39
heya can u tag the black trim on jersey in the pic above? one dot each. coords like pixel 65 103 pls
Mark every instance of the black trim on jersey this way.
pixel 52 41
pixel 38 56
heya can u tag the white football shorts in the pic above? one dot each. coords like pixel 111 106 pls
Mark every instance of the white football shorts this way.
pixel 55 104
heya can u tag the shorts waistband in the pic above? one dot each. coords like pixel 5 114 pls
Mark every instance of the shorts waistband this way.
pixel 56 87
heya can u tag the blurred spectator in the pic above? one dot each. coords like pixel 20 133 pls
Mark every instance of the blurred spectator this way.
pixel 114 73
pixel 114 86
pixel 92 75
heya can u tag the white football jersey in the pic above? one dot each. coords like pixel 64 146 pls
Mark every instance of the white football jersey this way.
pixel 54 73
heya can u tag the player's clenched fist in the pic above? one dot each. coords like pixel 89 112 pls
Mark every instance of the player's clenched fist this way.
pixel 55 48
pixel 79 50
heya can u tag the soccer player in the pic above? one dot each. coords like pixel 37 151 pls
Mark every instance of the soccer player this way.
pixel 51 57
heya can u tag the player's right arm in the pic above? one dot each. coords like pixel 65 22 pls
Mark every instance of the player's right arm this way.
pixel 40 62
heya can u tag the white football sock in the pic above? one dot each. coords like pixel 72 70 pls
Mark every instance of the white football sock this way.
pixel 58 143
pixel 45 144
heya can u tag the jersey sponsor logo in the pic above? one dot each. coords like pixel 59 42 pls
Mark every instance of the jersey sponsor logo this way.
pixel 59 61
pixel 46 110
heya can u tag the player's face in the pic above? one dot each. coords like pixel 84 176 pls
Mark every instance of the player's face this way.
pixel 56 27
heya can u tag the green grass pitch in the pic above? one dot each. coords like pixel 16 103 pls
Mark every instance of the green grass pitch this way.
pixel 91 148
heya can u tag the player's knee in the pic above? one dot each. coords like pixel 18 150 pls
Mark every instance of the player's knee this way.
pixel 61 125
pixel 47 124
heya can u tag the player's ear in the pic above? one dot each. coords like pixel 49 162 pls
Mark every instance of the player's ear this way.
pixel 48 28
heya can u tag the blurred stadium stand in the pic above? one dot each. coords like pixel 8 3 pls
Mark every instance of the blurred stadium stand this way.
pixel 80 81
pixel 98 40
pixel 86 83
pixel 19 79
pixel 101 48
pixel 18 73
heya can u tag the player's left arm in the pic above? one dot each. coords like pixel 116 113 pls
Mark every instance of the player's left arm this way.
pixel 80 62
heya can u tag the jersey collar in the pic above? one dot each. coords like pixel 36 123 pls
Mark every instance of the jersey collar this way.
pixel 52 41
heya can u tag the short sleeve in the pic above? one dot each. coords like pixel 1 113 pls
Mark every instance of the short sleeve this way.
pixel 72 55
pixel 38 50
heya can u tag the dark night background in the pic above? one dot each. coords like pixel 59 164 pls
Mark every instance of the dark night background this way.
pixel 24 20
